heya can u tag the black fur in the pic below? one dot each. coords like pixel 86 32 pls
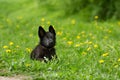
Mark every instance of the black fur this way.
pixel 45 49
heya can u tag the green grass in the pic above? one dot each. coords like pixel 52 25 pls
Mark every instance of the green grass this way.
pixel 86 50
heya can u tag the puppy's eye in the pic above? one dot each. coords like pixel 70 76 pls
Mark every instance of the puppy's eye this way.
pixel 50 36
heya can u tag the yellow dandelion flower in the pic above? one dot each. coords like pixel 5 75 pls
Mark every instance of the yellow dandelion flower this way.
pixel 101 61
pixel 116 66
pixel 8 50
pixel 90 42
pixel 86 42
pixel 105 54
pixel 77 45
pixel 5 47
pixel 64 38
pixel 48 22
pixel 93 37
pixel 28 49
pixel 17 46
pixel 95 46
pixel 119 60
pixel 73 22
pixel 119 23
pixel 78 37
pixel 83 32
pixel 109 31
pixel 84 53
pixel 70 42
pixel 27 65
pixel 96 17
pixel 11 43
pixel 59 33
pixel 81 43
pixel 43 19
pixel 89 48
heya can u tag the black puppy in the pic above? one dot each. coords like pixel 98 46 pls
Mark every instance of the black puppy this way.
pixel 45 49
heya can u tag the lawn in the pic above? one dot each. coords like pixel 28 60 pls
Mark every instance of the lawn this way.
pixel 86 50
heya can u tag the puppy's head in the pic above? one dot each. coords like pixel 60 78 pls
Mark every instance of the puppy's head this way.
pixel 47 39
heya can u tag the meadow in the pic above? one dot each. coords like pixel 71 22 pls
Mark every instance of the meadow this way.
pixel 87 50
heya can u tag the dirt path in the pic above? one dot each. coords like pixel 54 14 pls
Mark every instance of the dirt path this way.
pixel 15 78
pixel 9 78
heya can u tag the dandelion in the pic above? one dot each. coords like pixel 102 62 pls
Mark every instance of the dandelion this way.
pixel 95 46
pixel 83 32
pixel 78 37
pixel 17 46
pixel 109 31
pixel 8 50
pixel 43 19
pixel 28 49
pixel 73 22
pixel 59 33
pixel 5 47
pixel 119 23
pixel 77 45
pixel 116 66
pixel 101 61
pixel 86 42
pixel 84 53
pixel 96 17
pixel 89 48
pixel 105 54
pixel 27 65
pixel 81 43
pixel 119 60
pixel 48 22
pixel 90 42
pixel 11 43
pixel 64 38
pixel 93 37
pixel 69 42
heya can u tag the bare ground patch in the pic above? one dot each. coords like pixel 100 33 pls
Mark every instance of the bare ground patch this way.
pixel 18 77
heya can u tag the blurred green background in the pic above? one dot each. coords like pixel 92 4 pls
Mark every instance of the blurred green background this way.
pixel 105 9
pixel 84 9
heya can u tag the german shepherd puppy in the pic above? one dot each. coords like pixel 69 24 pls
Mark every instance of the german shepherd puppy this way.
pixel 45 50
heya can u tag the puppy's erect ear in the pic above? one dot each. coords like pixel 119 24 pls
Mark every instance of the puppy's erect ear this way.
pixel 51 29
pixel 41 32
